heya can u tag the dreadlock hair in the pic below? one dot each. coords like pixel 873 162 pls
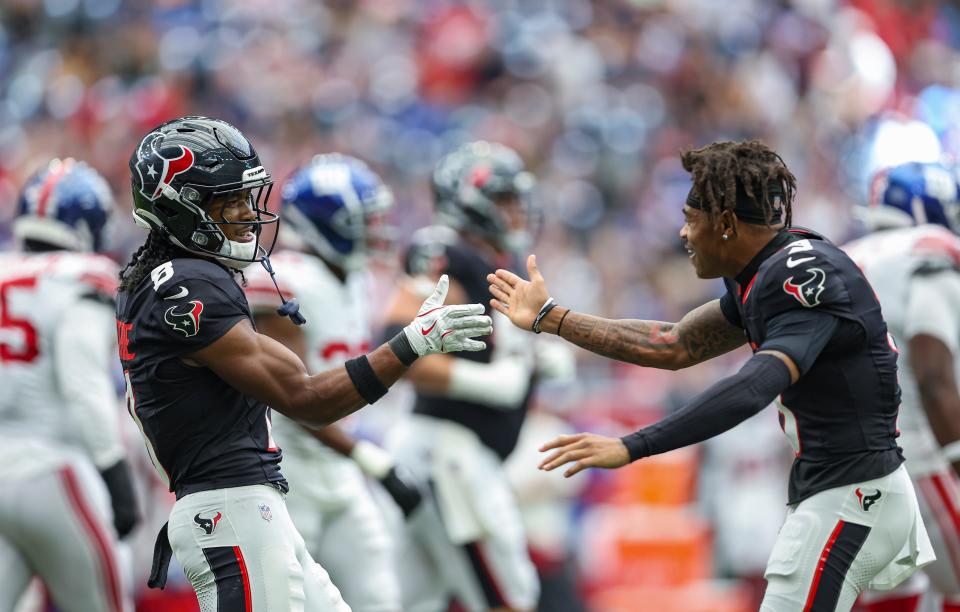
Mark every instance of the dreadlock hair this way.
pixel 722 170
pixel 155 251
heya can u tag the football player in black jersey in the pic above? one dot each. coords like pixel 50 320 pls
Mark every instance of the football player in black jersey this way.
pixel 820 345
pixel 469 409
pixel 200 378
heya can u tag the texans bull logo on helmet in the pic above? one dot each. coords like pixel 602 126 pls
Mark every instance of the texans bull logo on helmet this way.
pixel 808 292
pixel 186 322
pixel 158 167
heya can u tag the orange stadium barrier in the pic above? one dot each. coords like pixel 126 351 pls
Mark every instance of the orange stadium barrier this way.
pixel 647 546
pixel 703 596
pixel 664 480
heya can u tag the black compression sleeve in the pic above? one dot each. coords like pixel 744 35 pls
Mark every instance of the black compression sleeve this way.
pixel 721 407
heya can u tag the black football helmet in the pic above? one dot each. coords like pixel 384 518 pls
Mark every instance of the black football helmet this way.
pixel 468 182
pixel 177 170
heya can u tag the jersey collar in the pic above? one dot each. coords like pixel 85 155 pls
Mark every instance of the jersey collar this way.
pixel 776 243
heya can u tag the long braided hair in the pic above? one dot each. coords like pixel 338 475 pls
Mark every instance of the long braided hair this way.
pixel 719 169
pixel 154 252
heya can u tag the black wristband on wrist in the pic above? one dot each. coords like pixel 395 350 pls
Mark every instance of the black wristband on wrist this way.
pixel 400 345
pixel 365 379
pixel 637 446
pixel 544 310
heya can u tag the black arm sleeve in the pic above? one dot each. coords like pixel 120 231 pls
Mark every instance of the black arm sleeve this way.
pixel 721 407
pixel 801 335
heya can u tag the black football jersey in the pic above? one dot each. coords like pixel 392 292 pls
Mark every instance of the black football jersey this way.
pixel 840 416
pixel 201 433
pixel 440 250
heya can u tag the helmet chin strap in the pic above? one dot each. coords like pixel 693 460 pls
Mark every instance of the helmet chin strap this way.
pixel 244 251
pixel 288 308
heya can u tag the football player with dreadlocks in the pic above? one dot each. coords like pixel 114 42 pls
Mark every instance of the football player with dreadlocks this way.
pixel 820 345
pixel 334 210
pixel 912 260
pixel 59 417
pixel 200 378
pixel 469 409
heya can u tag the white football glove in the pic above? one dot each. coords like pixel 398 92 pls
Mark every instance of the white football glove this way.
pixel 446 329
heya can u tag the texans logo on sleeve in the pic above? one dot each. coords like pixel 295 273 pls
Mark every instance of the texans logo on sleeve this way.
pixel 186 322
pixel 157 167
pixel 808 292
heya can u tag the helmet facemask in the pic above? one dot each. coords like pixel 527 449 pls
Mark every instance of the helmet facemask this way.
pixel 209 237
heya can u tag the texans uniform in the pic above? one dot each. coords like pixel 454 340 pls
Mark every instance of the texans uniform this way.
pixel 213 446
pixel 58 426
pixel 915 274
pixel 459 447
pixel 329 500
pixel 852 520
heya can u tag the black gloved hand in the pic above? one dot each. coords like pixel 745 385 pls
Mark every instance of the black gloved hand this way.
pixel 122 497
pixel 404 492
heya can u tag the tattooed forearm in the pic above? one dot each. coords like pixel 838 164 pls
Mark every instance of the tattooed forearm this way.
pixel 702 334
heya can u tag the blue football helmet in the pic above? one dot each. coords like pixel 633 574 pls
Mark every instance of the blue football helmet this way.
pixel 67 204
pixel 915 193
pixel 336 205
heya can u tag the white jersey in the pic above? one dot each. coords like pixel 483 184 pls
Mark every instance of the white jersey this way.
pixel 910 268
pixel 55 354
pixel 337 329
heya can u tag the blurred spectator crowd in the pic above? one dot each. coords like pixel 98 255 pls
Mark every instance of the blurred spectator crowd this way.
pixel 597 96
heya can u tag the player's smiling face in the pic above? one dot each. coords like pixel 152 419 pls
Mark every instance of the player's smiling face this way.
pixel 234 208
pixel 701 237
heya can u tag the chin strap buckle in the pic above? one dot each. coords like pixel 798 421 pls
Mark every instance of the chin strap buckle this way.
pixel 288 308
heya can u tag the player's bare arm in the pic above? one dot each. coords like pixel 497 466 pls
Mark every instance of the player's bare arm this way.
pixel 702 334
pixel 283 330
pixel 261 367
pixel 933 366
pixel 266 370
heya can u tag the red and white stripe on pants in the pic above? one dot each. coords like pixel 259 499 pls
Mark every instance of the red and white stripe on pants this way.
pixel 57 526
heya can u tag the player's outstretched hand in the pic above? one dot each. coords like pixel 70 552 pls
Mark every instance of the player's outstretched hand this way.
pixel 447 329
pixel 585 450
pixel 519 299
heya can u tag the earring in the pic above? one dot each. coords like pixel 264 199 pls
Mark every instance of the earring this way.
pixel 725 237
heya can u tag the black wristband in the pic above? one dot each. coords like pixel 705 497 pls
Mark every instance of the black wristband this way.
pixel 637 446
pixel 365 379
pixel 544 310
pixel 400 345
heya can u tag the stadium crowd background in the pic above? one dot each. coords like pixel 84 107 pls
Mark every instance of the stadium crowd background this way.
pixel 599 98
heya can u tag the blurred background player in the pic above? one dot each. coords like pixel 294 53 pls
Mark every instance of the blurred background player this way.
pixel 912 259
pixel 68 494
pixel 469 411
pixel 332 209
